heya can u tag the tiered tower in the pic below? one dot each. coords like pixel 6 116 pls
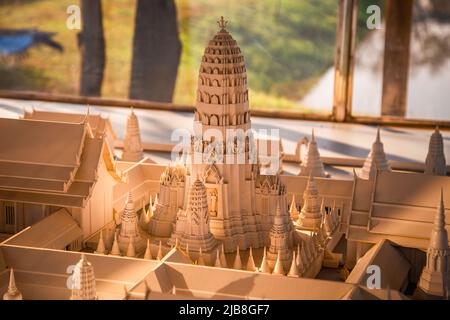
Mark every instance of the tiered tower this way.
pixel 312 165
pixel 196 231
pixel 435 277
pixel 310 215
pixel 129 230
pixel 435 161
pixel 281 239
pixel 376 160
pixel 83 281
pixel 132 145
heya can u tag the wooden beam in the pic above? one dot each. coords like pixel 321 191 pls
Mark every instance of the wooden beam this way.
pixel 150 105
pixel 396 57
pixel 344 59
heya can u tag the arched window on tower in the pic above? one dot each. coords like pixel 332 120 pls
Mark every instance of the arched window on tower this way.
pixel 215 83
pixel 215 99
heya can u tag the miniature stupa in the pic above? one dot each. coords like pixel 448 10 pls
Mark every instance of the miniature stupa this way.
pixel 435 161
pixel 132 145
pixel 280 242
pixel 376 160
pixel 196 232
pixel 438 257
pixel 129 230
pixel 83 281
pixel 312 164
pixel 310 216
pixel 12 293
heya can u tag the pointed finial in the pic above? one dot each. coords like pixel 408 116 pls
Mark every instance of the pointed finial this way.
pixel 264 265
pixel 237 260
pixel 132 110
pixel 436 129
pixel 222 23
pixel 148 253
pixel 223 259
pixel 218 264
pixel 378 135
pixel 201 260
pixel 278 269
pixel 313 138
pixel 251 262
pixel 115 251
pixel 160 255
pixel 12 293
pixel 293 271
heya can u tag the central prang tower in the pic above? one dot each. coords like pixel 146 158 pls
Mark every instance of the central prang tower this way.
pixel 222 143
pixel 241 203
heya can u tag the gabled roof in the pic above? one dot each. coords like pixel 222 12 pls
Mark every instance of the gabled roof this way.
pixel 398 206
pixel 53 163
pixel 41 142
pixel 97 123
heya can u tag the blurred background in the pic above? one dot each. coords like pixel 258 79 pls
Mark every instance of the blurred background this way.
pixel 151 50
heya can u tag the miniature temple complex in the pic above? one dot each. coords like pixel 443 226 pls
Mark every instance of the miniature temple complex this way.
pixel 313 164
pixel 435 277
pixel 376 160
pixel 435 161
pixel 206 224
pixel 132 145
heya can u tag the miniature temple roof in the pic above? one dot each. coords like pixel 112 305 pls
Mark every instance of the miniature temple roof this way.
pixel 313 164
pixel 12 293
pixel 97 123
pixel 41 165
pixel 376 160
pixel 56 231
pixel 439 236
pixel 435 160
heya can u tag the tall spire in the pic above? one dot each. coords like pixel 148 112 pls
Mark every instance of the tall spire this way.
pixel 376 160
pixel 435 161
pixel 279 239
pixel 312 162
pixel 434 279
pixel 197 231
pixel 83 281
pixel 12 293
pixel 129 230
pixel 439 236
pixel 310 215
pixel 132 145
